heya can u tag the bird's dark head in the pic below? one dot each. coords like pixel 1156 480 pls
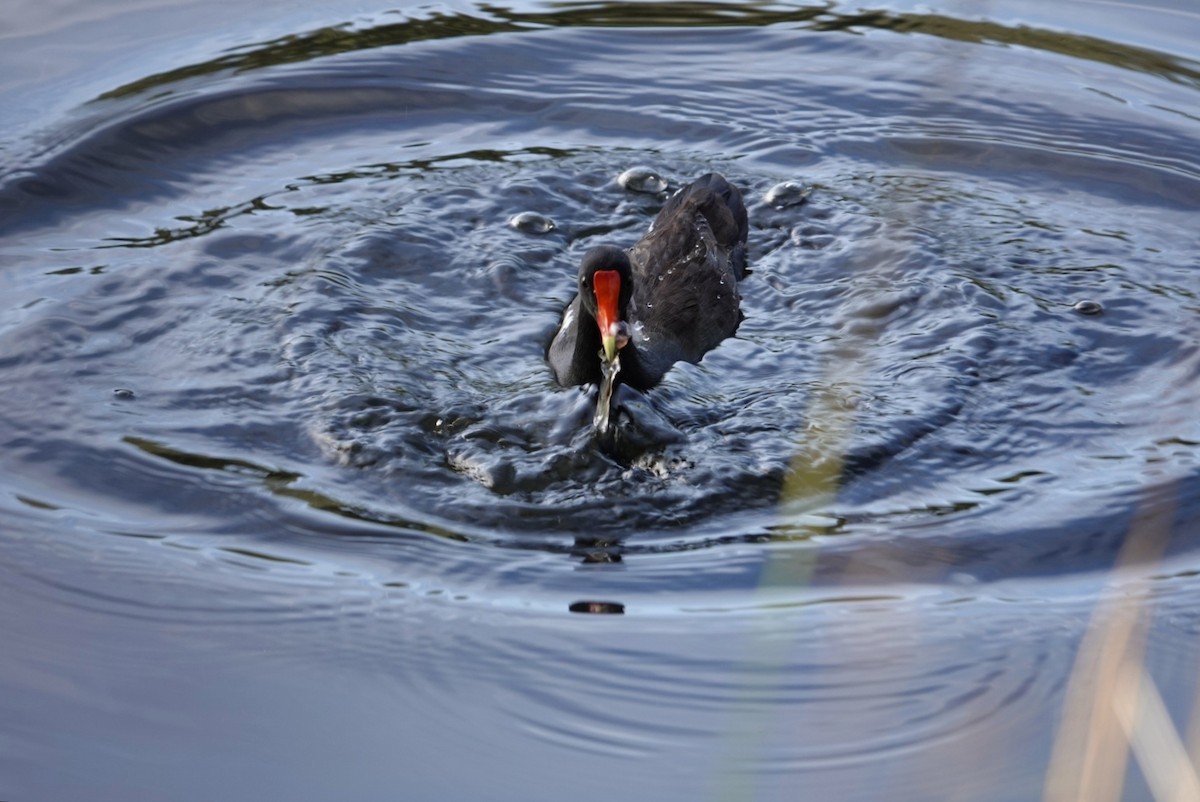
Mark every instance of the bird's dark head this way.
pixel 605 286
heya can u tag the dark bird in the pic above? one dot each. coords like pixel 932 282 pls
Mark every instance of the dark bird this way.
pixel 672 296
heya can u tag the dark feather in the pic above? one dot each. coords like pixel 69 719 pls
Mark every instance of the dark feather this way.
pixel 684 274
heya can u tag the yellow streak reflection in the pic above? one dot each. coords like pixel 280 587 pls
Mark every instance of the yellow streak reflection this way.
pixel 1113 708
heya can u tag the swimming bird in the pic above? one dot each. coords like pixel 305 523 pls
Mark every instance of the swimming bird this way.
pixel 671 297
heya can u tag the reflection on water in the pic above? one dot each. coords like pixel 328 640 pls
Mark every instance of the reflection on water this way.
pixel 287 475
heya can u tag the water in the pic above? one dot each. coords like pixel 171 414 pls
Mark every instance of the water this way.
pixel 292 506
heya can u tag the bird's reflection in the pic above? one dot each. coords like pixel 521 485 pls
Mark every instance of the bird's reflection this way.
pixel 597 551
pixel 592 550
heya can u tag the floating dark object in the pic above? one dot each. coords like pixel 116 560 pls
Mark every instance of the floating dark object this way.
pixel 673 296
pixel 1088 307
pixel 597 608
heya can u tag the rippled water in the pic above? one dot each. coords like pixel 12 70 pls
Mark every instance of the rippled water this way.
pixel 289 490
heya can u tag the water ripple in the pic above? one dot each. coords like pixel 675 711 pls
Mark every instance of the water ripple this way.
pixel 293 273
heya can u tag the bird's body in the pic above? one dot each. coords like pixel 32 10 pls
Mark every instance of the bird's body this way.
pixel 675 291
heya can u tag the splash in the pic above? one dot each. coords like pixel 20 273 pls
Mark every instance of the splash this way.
pixel 608 382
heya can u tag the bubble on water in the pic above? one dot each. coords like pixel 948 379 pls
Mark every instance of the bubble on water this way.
pixel 786 193
pixel 531 223
pixel 1086 307
pixel 642 179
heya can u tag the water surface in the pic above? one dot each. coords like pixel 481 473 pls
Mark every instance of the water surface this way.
pixel 290 492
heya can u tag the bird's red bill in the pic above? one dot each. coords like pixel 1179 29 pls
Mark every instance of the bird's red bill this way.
pixel 607 284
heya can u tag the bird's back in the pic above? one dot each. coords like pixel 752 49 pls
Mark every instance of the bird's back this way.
pixel 687 267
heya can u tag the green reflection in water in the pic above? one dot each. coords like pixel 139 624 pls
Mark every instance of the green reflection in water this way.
pixel 281 483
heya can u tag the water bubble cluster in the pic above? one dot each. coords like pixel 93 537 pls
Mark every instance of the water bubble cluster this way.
pixel 786 193
pixel 642 179
pixel 531 223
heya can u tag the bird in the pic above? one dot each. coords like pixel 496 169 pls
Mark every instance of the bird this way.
pixel 673 296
